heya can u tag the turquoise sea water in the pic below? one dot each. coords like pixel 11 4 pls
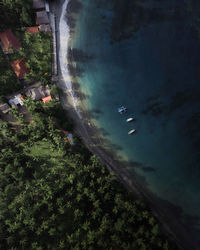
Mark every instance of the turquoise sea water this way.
pixel 156 75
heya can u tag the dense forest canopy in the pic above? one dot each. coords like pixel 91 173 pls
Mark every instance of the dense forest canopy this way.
pixel 36 48
pixel 8 80
pixel 15 13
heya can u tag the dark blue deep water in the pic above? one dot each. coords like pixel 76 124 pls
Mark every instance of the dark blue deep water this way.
pixel 155 73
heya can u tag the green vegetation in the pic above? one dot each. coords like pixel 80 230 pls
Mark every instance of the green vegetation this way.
pixel 15 13
pixel 55 91
pixel 8 80
pixel 16 115
pixel 57 196
pixel 36 48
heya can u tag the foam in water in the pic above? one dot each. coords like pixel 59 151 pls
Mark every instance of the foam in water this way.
pixel 64 40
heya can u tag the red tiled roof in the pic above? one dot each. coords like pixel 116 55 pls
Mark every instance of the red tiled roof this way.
pixel 32 30
pixel 46 99
pixel 8 39
pixel 19 67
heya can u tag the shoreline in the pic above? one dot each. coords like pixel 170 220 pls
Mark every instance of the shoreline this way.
pixel 96 145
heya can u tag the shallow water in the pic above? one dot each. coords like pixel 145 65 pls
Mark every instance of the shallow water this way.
pixel 155 74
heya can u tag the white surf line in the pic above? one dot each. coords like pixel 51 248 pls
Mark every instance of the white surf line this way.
pixel 64 41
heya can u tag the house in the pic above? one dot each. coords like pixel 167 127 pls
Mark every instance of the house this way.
pixel 33 29
pixel 19 67
pixel 38 5
pixel 42 18
pixel 8 40
pixel 38 93
pixel 46 99
pixel 16 101
pixel 4 108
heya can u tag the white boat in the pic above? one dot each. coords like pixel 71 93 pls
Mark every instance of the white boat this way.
pixel 130 119
pixel 131 131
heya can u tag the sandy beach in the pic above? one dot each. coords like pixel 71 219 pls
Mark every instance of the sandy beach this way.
pixel 93 140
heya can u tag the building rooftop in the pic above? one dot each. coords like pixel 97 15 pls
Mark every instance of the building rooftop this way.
pixel 19 67
pixel 9 39
pixel 33 29
pixel 42 17
pixel 17 100
pixel 38 93
pixel 38 4
pixel 46 99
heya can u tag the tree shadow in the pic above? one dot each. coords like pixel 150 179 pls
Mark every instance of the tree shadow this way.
pixel 130 16
pixel 141 166
pixel 71 22
pixel 152 98
pixel 77 55
pixel 188 224
pixel 75 71
pixel 73 8
pixel 93 114
pixel 77 91
pixel 156 107
pixel 180 99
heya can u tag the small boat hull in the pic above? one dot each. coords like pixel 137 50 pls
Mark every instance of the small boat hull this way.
pixel 131 131
pixel 129 119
